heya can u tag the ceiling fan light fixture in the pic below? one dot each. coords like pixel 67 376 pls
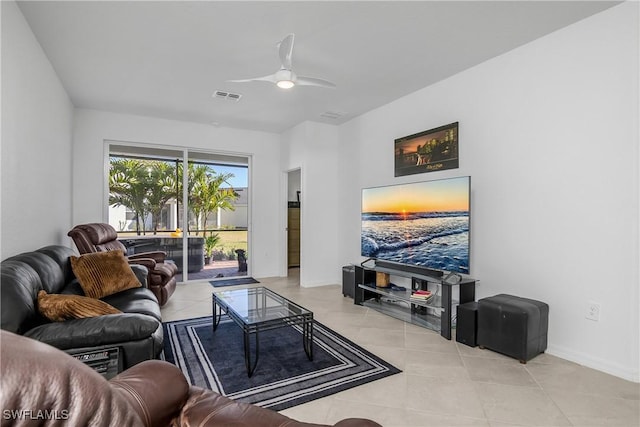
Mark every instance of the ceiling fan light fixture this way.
pixel 285 84
pixel 285 78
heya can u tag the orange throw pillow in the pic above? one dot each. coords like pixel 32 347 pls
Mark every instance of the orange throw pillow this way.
pixel 103 273
pixel 59 308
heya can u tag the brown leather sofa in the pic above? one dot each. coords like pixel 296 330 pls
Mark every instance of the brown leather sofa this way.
pixel 100 237
pixel 43 386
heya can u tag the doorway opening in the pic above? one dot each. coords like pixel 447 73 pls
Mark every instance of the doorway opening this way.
pixel 293 219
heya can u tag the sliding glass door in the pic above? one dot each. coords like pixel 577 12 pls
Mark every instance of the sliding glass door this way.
pixel 218 214
pixel 199 218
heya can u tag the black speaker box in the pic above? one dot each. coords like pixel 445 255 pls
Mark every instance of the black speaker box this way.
pixel 467 324
pixel 348 281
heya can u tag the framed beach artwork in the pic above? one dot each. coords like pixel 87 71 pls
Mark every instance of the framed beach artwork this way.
pixel 428 151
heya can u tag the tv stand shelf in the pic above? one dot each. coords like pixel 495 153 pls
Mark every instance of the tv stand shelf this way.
pixel 433 314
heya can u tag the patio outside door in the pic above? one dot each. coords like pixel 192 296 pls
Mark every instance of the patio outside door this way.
pixel 200 219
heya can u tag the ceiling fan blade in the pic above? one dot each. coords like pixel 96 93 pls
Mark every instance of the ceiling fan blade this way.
pixel 271 78
pixel 285 51
pixel 312 81
pixel 285 74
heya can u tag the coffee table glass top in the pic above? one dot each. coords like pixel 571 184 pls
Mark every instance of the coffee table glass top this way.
pixel 258 305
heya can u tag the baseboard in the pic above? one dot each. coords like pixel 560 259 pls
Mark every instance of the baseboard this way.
pixel 595 363
pixel 317 283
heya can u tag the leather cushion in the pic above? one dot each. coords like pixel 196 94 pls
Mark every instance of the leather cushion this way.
pixel 19 284
pixel 38 379
pixel 156 389
pixel 63 307
pixel 51 275
pixel 60 255
pixel 139 300
pixel 103 273
pixel 99 233
pixel 96 331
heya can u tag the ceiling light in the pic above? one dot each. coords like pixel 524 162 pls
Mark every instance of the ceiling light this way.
pixel 285 84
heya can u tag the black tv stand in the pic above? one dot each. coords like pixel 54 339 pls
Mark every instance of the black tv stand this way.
pixel 433 314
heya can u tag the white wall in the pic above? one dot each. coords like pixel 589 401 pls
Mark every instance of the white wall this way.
pixel 313 148
pixel 94 127
pixel 37 122
pixel 549 135
pixel 548 132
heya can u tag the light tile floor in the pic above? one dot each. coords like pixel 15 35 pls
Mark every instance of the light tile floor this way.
pixel 443 383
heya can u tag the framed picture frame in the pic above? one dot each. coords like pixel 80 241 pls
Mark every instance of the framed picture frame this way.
pixel 428 151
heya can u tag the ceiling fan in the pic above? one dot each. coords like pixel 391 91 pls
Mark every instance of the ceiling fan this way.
pixel 285 78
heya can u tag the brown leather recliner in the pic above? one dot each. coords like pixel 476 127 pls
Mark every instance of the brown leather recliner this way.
pixel 100 237
pixel 41 385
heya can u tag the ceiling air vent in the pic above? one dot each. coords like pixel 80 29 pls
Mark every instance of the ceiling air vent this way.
pixel 332 115
pixel 227 95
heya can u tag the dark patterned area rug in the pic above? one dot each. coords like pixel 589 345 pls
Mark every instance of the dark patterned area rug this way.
pixel 284 376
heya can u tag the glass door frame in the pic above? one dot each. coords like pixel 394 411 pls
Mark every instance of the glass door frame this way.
pixel 184 209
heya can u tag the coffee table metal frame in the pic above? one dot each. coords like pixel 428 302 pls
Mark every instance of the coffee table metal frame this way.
pixel 262 317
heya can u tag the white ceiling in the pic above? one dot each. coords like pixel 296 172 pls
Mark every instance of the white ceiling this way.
pixel 165 59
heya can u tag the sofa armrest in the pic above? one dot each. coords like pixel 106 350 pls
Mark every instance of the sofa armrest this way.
pixel 156 389
pixel 149 263
pixel 356 422
pixel 141 273
pixel 206 408
pixel 93 331
pixel 39 379
pixel 157 256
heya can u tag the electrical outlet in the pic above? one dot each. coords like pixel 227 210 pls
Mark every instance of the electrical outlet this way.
pixel 593 311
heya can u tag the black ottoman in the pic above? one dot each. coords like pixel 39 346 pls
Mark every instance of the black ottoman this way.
pixel 513 326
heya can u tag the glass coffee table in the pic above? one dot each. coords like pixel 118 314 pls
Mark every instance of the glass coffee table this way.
pixel 261 309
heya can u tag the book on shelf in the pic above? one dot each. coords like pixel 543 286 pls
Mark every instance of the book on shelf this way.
pixel 421 295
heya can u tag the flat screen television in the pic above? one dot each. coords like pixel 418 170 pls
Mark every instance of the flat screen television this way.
pixel 424 225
